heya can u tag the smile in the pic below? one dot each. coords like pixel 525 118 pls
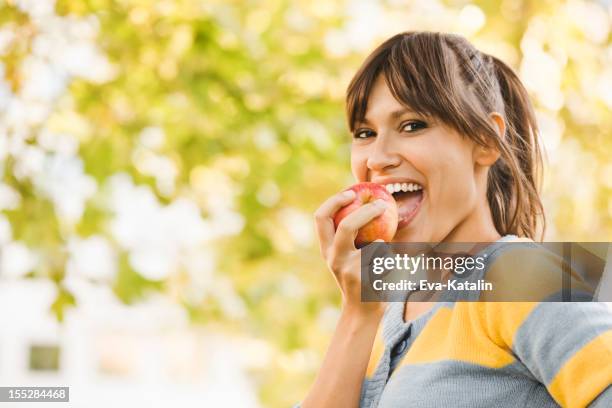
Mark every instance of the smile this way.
pixel 409 197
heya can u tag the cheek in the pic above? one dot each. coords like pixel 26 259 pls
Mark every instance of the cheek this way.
pixel 450 176
pixel 455 182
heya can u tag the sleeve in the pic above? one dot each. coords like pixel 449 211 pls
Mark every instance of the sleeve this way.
pixel 566 346
pixel 604 400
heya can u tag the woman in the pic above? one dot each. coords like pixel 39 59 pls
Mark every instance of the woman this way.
pixel 429 109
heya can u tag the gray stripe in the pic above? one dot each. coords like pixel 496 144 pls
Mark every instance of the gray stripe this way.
pixel 604 400
pixel 554 332
pixel 492 252
pixel 459 384
pixel 394 329
pixel 393 322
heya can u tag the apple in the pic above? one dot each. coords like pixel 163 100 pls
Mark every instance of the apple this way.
pixel 382 227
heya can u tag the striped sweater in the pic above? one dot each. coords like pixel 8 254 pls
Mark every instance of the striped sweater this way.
pixel 492 354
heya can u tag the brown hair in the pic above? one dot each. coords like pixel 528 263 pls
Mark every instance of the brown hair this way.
pixel 444 76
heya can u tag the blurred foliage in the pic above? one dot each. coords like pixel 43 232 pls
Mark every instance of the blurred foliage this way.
pixel 249 96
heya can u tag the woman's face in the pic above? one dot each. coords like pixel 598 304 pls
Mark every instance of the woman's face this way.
pixel 395 145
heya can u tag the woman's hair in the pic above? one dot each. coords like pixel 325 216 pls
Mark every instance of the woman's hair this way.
pixel 443 76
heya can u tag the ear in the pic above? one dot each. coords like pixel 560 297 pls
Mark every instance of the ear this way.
pixel 499 123
pixel 488 155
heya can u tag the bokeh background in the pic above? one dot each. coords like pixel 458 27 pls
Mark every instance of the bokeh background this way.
pixel 160 162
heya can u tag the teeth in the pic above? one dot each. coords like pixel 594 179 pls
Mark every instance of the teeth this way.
pixel 397 187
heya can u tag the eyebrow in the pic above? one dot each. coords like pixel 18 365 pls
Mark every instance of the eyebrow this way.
pixel 394 115
pixel 401 112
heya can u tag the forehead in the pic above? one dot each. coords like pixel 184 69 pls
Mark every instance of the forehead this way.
pixel 382 104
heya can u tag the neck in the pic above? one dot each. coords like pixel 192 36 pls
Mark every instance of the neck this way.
pixel 478 226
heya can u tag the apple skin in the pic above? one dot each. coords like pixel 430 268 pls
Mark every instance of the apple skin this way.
pixel 382 227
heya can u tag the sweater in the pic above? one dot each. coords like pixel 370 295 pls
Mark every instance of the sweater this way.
pixel 492 354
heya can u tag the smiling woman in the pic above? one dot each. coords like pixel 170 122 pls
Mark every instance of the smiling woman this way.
pixel 423 94
pixel 451 133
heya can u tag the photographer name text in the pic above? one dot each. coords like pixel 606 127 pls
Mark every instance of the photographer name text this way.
pixel 424 285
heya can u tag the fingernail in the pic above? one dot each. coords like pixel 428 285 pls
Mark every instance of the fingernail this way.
pixel 349 193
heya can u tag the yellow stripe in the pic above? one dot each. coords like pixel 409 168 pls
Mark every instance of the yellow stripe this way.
pixel 377 351
pixel 460 334
pixel 502 319
pixel 585 375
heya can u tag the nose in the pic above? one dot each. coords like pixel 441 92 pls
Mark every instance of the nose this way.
pixel 383 156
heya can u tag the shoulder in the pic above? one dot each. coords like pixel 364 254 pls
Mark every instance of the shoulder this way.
pixel 523 270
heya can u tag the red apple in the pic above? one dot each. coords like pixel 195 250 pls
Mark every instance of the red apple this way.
pixel 382 227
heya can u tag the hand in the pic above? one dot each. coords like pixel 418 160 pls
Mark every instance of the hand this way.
pixel 338 248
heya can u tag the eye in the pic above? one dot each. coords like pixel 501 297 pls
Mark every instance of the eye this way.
pixel 413 126
pixel 363 133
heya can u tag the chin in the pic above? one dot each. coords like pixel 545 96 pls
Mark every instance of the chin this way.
pixel 410 234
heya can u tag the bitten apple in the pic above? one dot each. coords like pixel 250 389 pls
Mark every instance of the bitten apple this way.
pixel 382 227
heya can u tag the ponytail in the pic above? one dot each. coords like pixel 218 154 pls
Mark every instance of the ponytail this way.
pixel 515 179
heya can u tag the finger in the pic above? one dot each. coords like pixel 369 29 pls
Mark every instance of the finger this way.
pixel 344 239
pixel 378 249
pixel 324 221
